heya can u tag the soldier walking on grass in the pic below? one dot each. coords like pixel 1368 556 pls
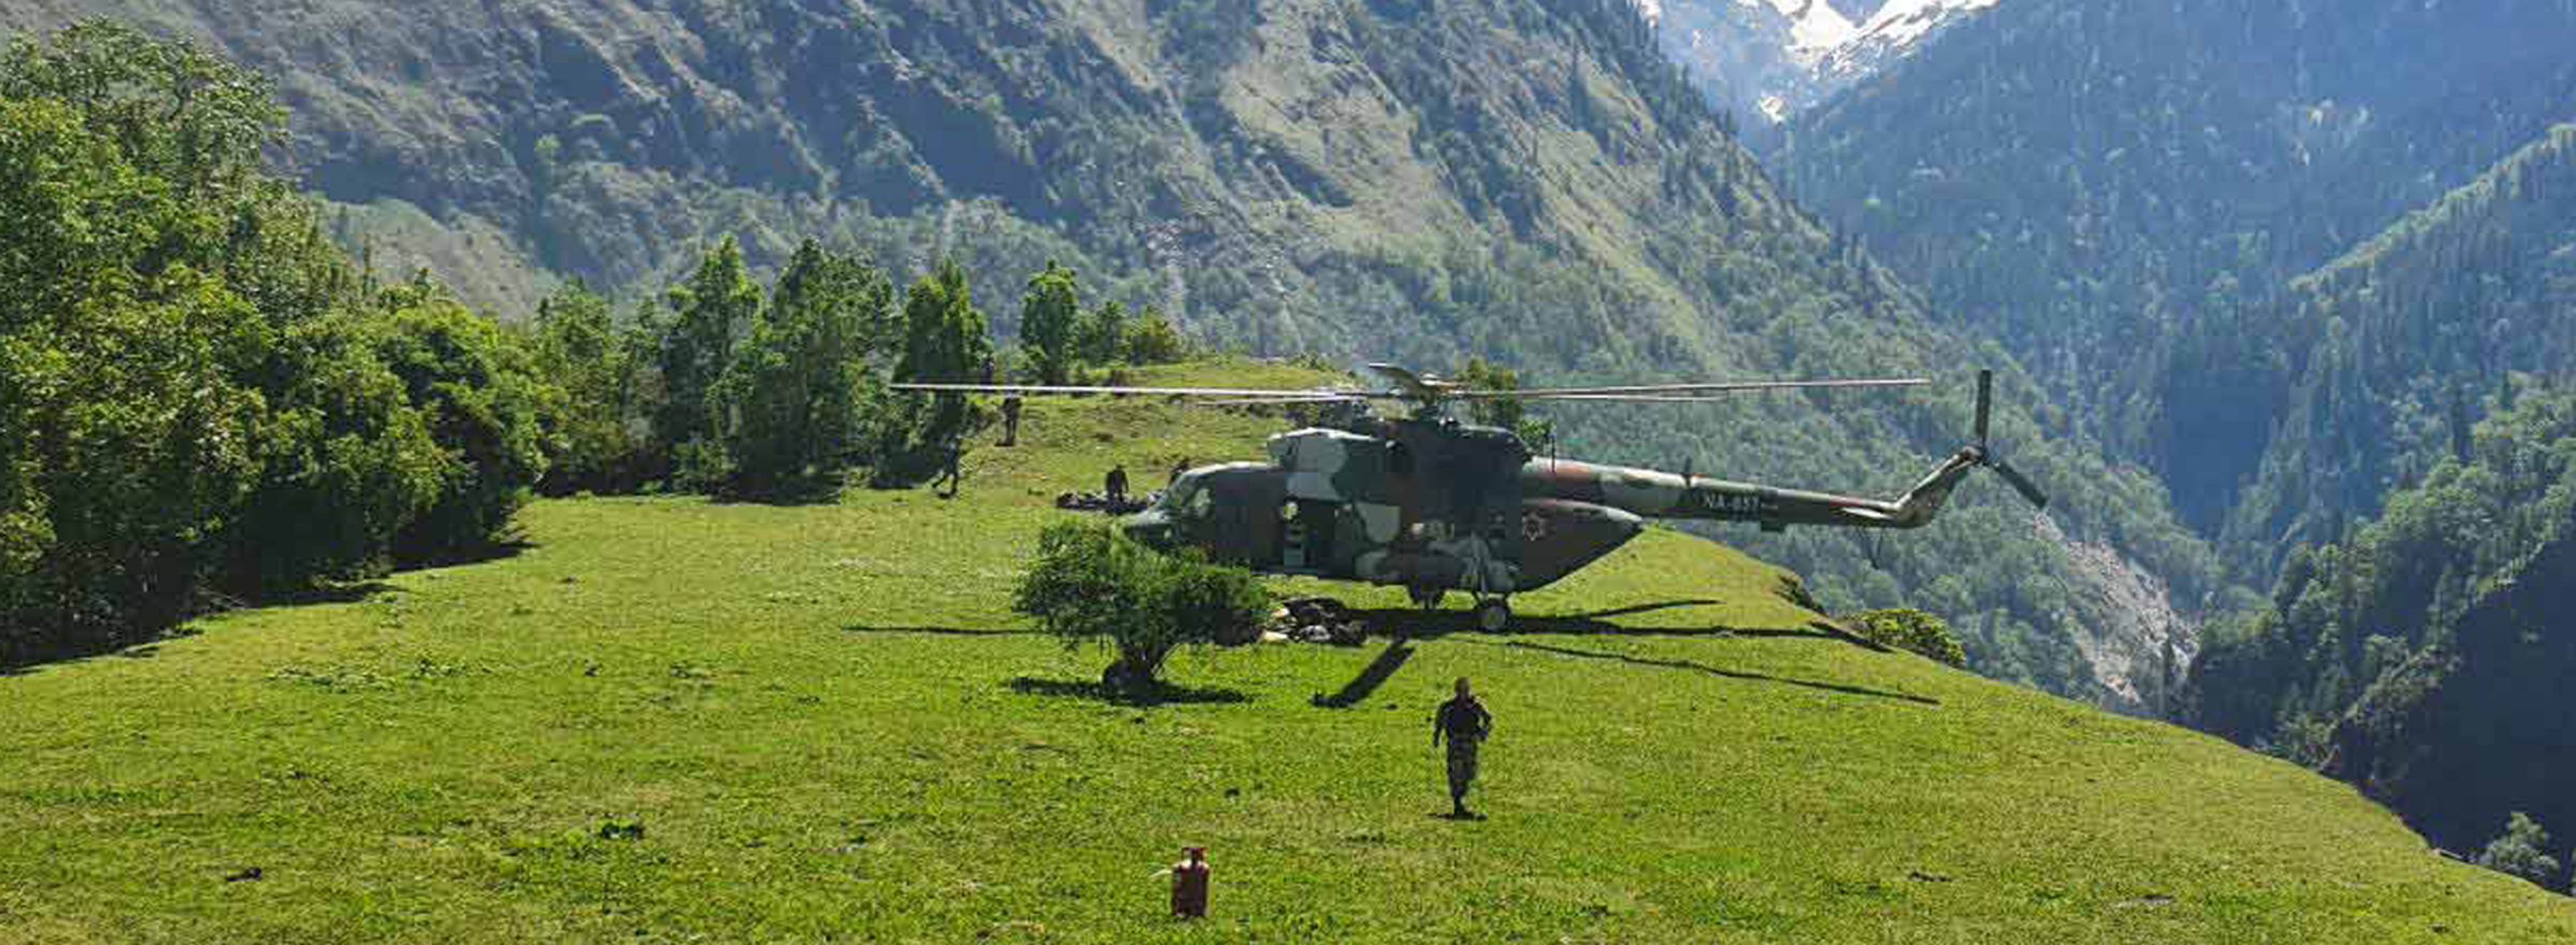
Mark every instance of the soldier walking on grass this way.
pixel 954 476
pixel 1466 724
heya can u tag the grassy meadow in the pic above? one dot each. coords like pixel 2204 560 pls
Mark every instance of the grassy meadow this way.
pixel 671 720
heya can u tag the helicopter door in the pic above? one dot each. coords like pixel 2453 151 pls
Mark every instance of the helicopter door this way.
pixel 1306 534
pixel 1245 520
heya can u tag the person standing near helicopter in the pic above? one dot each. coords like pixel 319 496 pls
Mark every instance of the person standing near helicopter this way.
pixel 1466 724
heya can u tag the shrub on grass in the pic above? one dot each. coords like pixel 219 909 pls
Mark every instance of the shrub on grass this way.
pixel 1093 585
pixel 2522 851
pixel 1910 629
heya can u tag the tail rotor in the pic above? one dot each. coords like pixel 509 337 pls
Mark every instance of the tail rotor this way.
pixel 1986 454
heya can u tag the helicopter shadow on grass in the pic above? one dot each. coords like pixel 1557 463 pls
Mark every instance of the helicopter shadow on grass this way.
pixel 1407 625
pixel 1699 667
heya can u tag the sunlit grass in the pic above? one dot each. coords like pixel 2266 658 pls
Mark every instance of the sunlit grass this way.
pixel 828 726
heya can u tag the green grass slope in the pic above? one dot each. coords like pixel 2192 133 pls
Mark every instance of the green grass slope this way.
pixel 828 727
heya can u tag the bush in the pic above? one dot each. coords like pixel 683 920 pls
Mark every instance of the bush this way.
pixel 2521 851
pixel 487 409
pixel 1909 629
pixel 1091 584
pixel 1151 339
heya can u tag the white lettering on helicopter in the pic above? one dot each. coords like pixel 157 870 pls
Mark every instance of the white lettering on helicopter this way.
pixel 1724 503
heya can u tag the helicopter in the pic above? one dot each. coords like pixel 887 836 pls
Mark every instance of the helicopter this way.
pixel 1434 505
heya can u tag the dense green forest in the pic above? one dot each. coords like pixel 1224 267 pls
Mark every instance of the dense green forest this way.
pixel 2424 657
pixel 1527 183
pixel 203 401
pixel 2112 190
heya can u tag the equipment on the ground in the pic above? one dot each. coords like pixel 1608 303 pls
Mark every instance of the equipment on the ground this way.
pixel 1435 505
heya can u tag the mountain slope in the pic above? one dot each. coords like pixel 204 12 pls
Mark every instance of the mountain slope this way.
pixel 672 720
pixel 1529 183
pixel 2423 658
pixel 2108 190
pixel 2379 360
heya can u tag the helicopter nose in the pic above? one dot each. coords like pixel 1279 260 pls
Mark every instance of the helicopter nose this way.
pixel 1148 528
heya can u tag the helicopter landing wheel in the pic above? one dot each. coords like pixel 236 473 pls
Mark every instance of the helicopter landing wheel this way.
pixel 1427 598
pixel 1493 614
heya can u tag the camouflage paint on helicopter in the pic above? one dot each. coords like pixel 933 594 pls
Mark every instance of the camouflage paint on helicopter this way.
pixel 1435 505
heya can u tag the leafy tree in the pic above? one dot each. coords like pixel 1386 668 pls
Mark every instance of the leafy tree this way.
pixel 1502 412
pixel 2522 851
pixel 1151 339
pixel 198 399
pixel 1101 339
pixel 488 412
pixel 713 308
pixel 1050 323
pixel 800 387
pixel 1090 584
pixel 944 341
pixel 578 343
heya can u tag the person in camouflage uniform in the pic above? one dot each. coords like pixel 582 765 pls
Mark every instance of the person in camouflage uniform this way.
pixel 1464 721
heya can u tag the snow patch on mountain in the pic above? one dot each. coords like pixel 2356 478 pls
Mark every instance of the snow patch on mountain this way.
pixel 1776 57
pixel 1816 29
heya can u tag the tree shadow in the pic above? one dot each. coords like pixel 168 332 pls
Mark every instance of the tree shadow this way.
pixel 1159 693
pixel 1713 671
pixel 28 663
pixel 345 592
pixel 940 631
pixel 794 491
pixel 1370 678
pixel 502 547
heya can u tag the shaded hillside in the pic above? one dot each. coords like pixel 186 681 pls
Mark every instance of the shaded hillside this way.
pixel 2424 657
pixel 675 720
pixel 2086 182
pixel 2377 362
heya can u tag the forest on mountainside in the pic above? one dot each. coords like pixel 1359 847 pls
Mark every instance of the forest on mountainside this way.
pixel 203 402
pixel 2423 657
pixel 1528 183
pixel 2314 265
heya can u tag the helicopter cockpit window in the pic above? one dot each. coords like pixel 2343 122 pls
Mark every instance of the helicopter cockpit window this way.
pixel 1183 496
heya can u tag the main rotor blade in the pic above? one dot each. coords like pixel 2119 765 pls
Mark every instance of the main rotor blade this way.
pixel 2020 483
pixel 1244 401
pixel 1985 400
pixel 1405 382
pixel 1059 389
pixel 1713 387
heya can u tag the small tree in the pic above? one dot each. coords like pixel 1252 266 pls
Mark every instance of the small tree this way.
pixel 709 312
pixel 1151 339
pixel 943 341
pixel 1504 412
pixel 1050 317
pixel 1910 629
pixel 579 345
pixel 1102 337
pixel 2521 851
pixel 1091 584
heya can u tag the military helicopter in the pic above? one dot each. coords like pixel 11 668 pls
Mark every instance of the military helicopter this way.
pixel 1435 505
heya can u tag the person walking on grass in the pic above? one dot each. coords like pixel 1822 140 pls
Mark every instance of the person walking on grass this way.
pixel 954 476
pixel 1464 721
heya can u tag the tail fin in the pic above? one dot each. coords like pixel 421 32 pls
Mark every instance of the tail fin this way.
pixel 1921 503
